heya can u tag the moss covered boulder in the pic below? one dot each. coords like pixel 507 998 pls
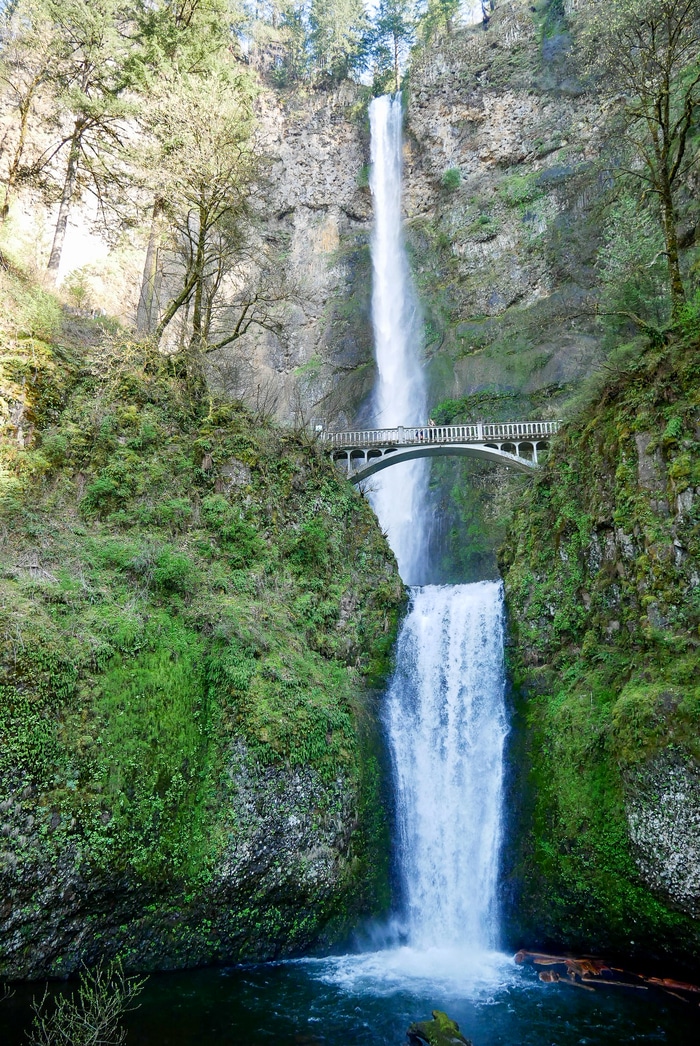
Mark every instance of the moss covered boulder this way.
pixel 440 1031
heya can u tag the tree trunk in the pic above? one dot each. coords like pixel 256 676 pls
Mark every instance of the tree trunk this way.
pixel 149 299
pixel 13 171
pixel 66 201
pixel 197 311
pixel 396 62
pixel 668 213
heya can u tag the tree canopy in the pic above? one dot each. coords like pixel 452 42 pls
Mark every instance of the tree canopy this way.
pixel 648 51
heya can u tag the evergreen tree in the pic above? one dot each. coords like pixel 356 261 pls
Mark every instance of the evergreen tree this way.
pixel 438 15
pixel 91 39
pixel 392 34
pixel 338 29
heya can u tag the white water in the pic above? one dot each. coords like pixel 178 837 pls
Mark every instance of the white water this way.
pixel 399 494
pixel 446 722
pixel 447 727
pixel 445 709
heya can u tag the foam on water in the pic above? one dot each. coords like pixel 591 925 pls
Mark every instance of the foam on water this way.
pixel 439 973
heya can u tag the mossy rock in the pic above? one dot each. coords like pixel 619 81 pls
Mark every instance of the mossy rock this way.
pixel 601 566
pixel 441 1031
pixel 196 614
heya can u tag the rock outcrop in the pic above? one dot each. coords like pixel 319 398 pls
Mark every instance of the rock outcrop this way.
pixel 602 575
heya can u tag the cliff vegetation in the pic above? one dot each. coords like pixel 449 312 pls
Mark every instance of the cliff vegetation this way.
pixel 602 572
pixel 195 613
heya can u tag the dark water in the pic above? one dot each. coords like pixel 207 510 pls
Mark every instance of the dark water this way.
pixel 348 1001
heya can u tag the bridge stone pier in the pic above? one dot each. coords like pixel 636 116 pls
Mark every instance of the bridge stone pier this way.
pixel 364 452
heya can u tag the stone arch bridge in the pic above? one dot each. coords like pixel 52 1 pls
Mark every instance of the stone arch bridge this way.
pixel 366 451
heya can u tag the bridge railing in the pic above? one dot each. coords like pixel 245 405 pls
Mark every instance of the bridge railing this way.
pixel 477 433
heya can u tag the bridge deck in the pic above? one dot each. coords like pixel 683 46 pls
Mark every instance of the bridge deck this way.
pixel 509 431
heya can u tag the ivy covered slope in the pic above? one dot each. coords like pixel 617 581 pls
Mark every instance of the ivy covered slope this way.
pixel 195 612
pixel 602 575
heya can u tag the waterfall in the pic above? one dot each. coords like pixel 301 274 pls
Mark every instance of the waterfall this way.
pixel 445 712
pixel 446 722
pixel 399 494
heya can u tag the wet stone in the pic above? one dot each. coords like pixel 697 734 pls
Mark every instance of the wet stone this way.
pixel 440 1031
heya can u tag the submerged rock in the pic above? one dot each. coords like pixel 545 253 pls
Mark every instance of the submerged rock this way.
pixel 441 1031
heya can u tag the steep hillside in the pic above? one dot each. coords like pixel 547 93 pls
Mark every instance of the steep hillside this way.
pixel 602 576
pixel 195 612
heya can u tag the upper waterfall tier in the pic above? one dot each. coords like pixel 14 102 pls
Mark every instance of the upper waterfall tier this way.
pixel 399 498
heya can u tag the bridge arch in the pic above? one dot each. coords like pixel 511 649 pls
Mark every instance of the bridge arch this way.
pixel 376 462
pixel 364 453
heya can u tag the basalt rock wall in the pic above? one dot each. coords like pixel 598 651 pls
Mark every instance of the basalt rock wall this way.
pixel 602 574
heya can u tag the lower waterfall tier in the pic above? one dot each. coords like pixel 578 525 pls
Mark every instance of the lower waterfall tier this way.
pixel 446 725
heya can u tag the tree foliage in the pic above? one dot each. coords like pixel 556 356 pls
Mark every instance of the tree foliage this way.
pixel 649 52
pixel 392 35
pixel 337 31
pixel 200 163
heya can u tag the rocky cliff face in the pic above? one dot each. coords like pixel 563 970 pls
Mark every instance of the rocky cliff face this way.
pixel 602 574
pixel 501 142
pixel 503 257
pixel 318 213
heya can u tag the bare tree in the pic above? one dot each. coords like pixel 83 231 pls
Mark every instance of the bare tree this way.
pixel 649 52
pixel 28 55
pixel 174 37
pixel 200 163
pixel 93 1016
pixel 222 278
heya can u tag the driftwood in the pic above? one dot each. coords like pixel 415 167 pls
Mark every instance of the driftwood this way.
pixel 589 972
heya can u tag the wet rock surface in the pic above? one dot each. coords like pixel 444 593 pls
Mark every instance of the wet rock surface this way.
pixel 663 813
pixel 440 1031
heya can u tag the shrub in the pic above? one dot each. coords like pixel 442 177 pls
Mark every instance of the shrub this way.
pixel 309 549
pixel 54 447
pixel 38 314
pixel 517 189
pixel 100 495
pixel 452 179
pixel 240 540
pixel 173 572
pixel 105 995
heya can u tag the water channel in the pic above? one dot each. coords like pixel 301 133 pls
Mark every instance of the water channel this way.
pixel 446 727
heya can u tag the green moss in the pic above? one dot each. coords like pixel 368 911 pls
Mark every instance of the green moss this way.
pixel 179 581
pixel 518 189
pixel 605 621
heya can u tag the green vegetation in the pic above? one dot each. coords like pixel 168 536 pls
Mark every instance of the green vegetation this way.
pixel 184 590
pixel 451 179
pixel 440 1031
pixel 518 189
pixel 93 1015
pixel 657 119
pixel 600 565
